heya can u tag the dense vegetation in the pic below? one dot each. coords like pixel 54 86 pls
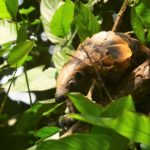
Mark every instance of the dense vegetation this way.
pixel 35 38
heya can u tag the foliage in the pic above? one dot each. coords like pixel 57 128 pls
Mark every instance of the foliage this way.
pixel 38 36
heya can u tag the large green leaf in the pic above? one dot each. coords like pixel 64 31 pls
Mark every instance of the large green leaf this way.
pixel 4 13
pixel 137 25
pixel 77 142
pixel 62 19
pixel 84 105
pixel 117 141
pixel 48 9
pixel 39 80
pixel 129 124
pixel 61 57
pixel 19 53
pixel 8 32
pixel 12 6
pixel 86 23
pixel 115 108
pixel 134 126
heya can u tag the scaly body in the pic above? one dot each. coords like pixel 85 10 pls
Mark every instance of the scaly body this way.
pixel 112 54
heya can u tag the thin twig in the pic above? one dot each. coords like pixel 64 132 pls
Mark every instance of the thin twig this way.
pixel 71 38
pixel 6 96
pixel 77 59
pixel 87 54
pixel 27 81
pixel 99 79
pixel 120 14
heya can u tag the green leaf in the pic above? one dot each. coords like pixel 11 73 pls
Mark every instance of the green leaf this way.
pixel 8 32
pixel 148 37
pixel 77 142
pixel 39 80
pixel 12 6
pixel 84 105
pixel 19 53
pixel 85 21
pixel 134 126
pixel 27 11
pixel 62 19
pixel 61 57
pixel 48 9
pixel 28 120
pixel 4 13
pixel 22 34
pixel 137 25
pixel 143 12
pixel 144 147
pixel 46 132
pixel 122 142
pixel 115 108
pixel 92 2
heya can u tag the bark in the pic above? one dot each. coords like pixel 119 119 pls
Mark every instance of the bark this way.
pixel 138 85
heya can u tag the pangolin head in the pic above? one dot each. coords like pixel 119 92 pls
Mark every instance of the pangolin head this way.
pixel 74 77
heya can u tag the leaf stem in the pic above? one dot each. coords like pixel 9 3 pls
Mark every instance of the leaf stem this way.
pixel 27 81
pixel 71 38
pixel 120 14
pixel 6 96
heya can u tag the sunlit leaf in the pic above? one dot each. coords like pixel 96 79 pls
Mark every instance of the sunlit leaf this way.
pixel 129 124
pixel 77 142
pixel 92 2
pixel 39 80
pixel 61 57
pixel 19 53
pixel 62 19
pixel 115 108
pixel 86 23
pixel 8 31
pixel 47 9
pixel 27 10
pixel 84 105
pixel 4 13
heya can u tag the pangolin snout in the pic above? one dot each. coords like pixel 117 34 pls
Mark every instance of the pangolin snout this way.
pixel 60 96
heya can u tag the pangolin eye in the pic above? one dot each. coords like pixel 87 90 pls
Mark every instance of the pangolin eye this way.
pixel 79 75
pixel 71 83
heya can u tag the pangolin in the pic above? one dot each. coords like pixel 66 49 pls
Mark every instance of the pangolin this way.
pixel 111 54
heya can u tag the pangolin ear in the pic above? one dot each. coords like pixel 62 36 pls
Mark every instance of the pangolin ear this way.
pixel 119 52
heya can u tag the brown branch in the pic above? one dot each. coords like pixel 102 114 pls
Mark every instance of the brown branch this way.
pixel 120 14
